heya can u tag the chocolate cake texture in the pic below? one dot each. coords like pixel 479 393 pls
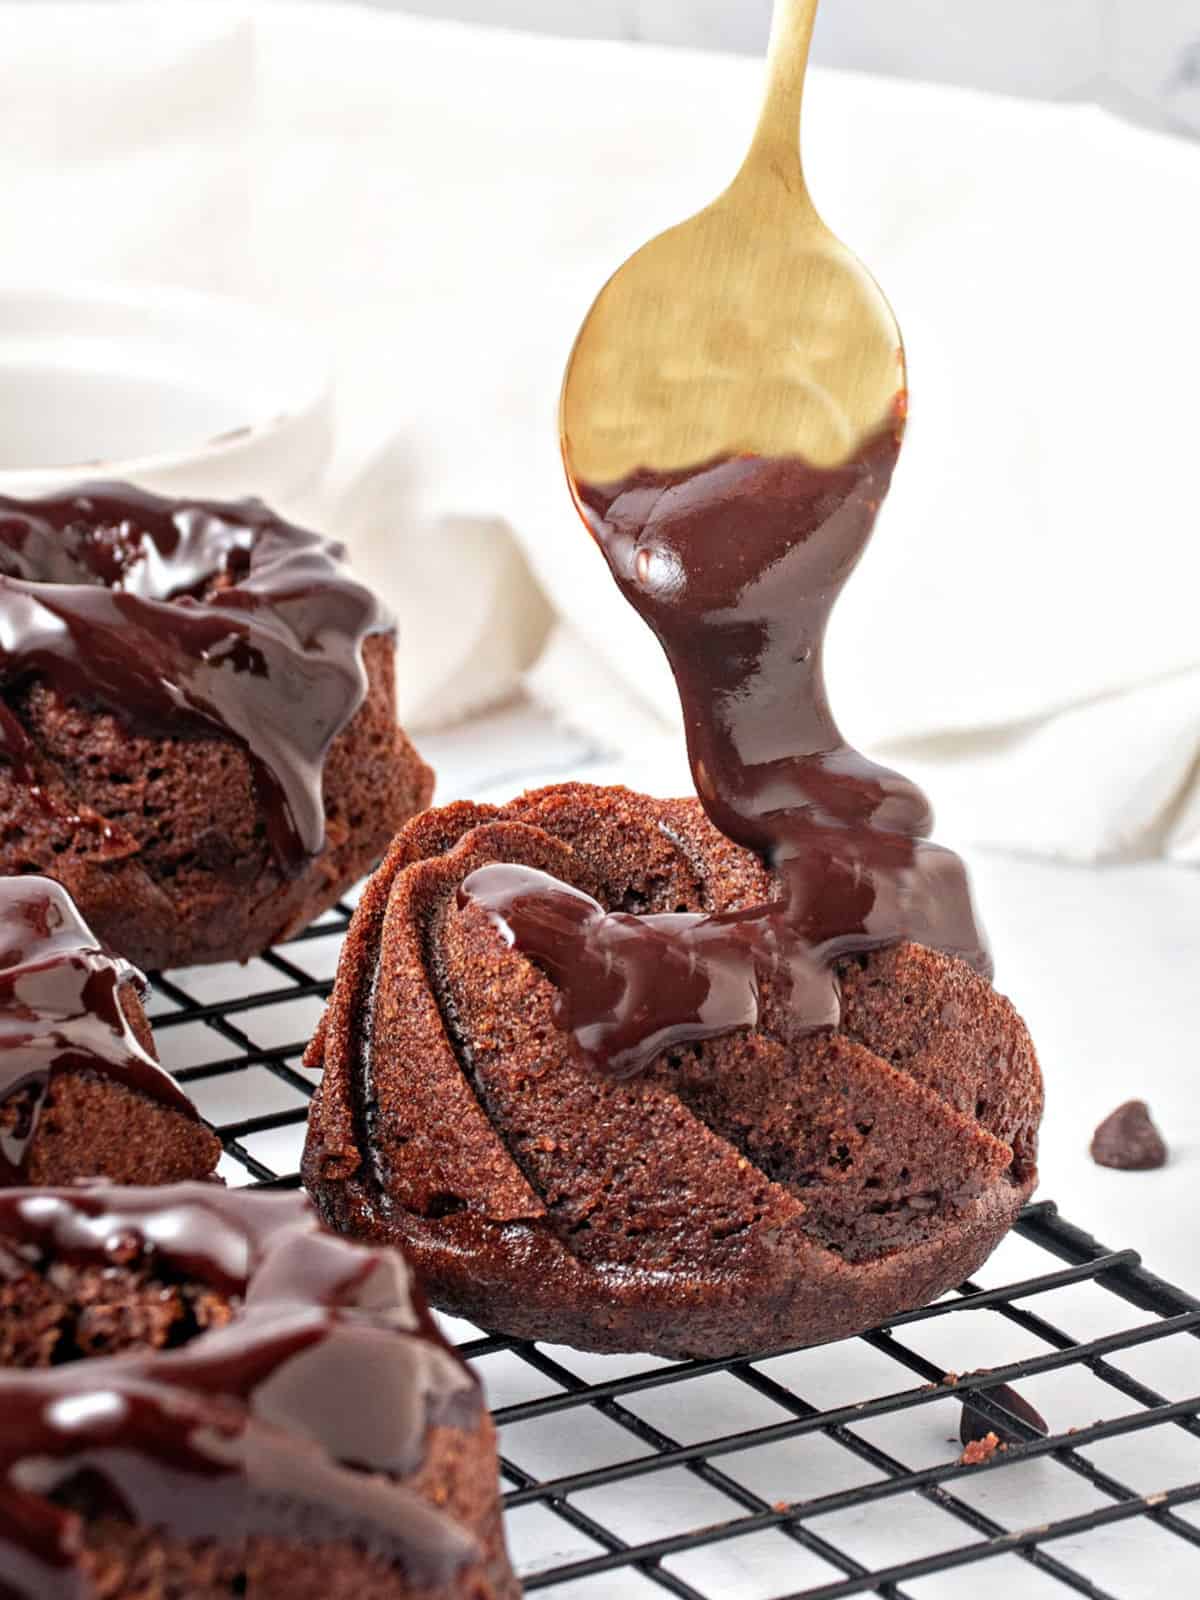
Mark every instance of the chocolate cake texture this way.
pixel 82 1094
pixel 775 1185
pixel 204 1394
pixel 197 719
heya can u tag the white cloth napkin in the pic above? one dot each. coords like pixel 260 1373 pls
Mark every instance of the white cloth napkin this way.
pixel 442 202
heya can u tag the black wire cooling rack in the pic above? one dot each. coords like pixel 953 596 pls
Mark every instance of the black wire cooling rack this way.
pixel 819 1473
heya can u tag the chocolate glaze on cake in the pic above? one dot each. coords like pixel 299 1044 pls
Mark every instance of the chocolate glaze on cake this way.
pixel 72 1028
pixel 736 567
pixel 197 718
pixel 191 616
pixel 772 1186
pixel 626 1075
pixel 275 1411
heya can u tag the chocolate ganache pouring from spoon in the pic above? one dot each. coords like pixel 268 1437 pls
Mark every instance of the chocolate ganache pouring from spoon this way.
pixel 732 415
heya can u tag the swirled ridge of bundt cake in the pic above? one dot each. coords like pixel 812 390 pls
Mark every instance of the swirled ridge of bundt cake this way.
pixel 197 719
pixel 204 1393
pixel 81 1092
pixel 766 1188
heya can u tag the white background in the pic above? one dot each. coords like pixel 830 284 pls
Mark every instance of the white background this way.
pixel 1138 56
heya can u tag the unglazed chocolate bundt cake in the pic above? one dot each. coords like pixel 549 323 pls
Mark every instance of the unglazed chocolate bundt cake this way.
pixel 197 719
pixel 81 1092
pixel 773 1185
pixel 204 1394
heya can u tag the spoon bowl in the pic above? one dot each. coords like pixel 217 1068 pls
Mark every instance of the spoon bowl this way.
pixel 747 330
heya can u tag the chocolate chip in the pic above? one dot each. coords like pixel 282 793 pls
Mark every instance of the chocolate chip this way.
pixel 974 1426
pixel 1128 1140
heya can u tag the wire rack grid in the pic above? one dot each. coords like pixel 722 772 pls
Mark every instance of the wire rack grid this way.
pixel 818 1473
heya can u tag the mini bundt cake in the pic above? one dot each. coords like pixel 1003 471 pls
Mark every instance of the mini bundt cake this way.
pixel 770 1187
pixel 205 1394
pixel 197 719
pixel 81 1092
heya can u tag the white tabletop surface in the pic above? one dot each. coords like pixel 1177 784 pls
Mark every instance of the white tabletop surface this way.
pixel 1104 965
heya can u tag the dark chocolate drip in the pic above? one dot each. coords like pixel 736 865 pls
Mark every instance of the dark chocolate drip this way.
pixel 192 618
pixel 61 1011
pixel 736 567
pixel 331 1371
pixel 628 986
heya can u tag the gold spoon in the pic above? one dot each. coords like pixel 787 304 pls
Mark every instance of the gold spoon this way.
pixel 749 330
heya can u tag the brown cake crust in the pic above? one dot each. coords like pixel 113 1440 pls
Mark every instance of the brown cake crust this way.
pixel 128 1563
pixel 56 1313
pixel 125 1562
pixel 93 1127
pixel 757 1191
pixel 162 841
pixel 81 1091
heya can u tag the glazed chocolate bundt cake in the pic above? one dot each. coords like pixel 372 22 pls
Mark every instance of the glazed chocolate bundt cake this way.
pixel 197 719
pixel 81 1092
pixel 772 1185
pixel 700 1077
pixel 204 1394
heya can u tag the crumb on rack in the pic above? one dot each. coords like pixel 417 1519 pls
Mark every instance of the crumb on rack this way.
pixel 980 1450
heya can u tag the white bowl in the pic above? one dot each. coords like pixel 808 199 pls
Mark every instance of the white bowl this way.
pixel 178 392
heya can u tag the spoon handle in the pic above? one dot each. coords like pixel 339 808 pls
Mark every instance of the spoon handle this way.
pixel 777 138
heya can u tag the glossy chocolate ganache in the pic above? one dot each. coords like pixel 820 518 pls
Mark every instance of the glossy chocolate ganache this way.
pixel 291 1415
pixel 61 1011
pixel 736 566
pixel 189 617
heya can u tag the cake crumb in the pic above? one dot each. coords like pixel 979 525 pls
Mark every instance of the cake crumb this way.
pixel 980 1450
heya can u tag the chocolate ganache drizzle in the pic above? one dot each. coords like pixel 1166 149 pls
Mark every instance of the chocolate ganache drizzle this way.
pixel 189 617
pixel 736 566
pixel 60 1010
pixel 291 1420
